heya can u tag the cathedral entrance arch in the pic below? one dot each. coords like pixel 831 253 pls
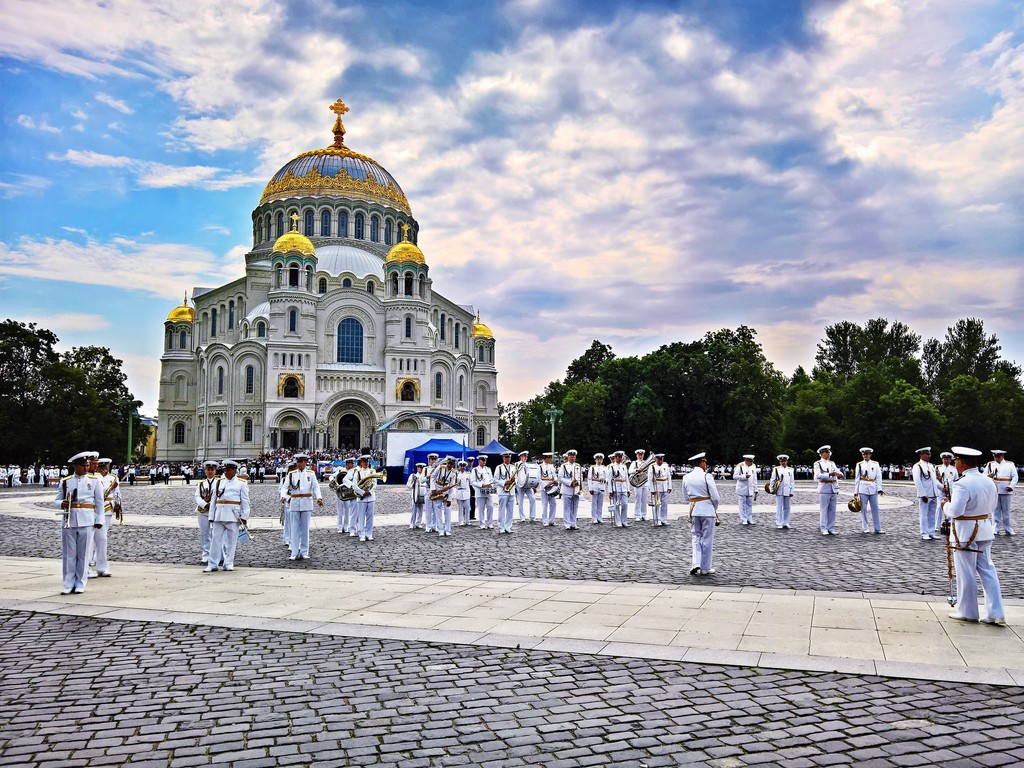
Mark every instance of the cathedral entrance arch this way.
pixel 290 428
pixel 349 431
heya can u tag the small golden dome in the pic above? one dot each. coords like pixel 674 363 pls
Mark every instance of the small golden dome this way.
pixel 405 252
pixel 294 242
pixel 182 314
pixel 481 331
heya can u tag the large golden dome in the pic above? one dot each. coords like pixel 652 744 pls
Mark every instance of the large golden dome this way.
pixel 405 252
pixel 336 170
pixel 182 314
pixel 481 331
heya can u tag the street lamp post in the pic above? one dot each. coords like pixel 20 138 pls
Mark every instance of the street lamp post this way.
pixel 553 415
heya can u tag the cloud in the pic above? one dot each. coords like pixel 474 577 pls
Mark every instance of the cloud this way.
pixel 16 184
pixel 219 229
pixel 63 322
pixel 162 270
pixel 153 175
pixel 117 104
pixel 27 122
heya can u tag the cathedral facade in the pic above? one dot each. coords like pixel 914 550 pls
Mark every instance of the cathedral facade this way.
pixel 335 330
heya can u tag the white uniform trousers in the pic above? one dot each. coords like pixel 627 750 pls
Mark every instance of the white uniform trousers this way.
pixel 505 503
pixel 355 518
pixel 643 498
pixel 74 545
pixel 928 516
pixel 980 562
pixel 548 505
pixel 1002 512
pixel 596 506
pixel 365 517
pixel 99 545
pixel 431 512
pixel 702 532
pixel 342 513
pixel 620 508
pixel 827 512
pixel 522 494
pixel 782 509
pixel 746 508
pixel 225 539
pixel 485 509
pixel 570 506
pixel 463 511
pixel 299 536
pixel 416 514
pixel 870 500
pixel 660 512
pixel 203 519
pixel 442 516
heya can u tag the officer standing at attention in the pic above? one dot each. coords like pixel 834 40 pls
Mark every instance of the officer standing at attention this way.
pixel 597 484
pixel 971 535
pixel 229 509
pixel 364 482
pixel 783 481
pixel 643 493
pixel 868 484
pixel 927 488
pixel 418 491
pixel 299 489
pixel 548 480
pixel 570 476
pixel 502 475
pixel 462 492
pixel 828 476
pixel 80 496
pixel 1004 475
pixel 482 481
pixel 701 493
pixel 203 497
pixel 945 476
pixel 745 475
pixel 659 477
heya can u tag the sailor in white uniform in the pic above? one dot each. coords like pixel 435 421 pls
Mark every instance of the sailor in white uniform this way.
pixel 643 492
pixel 482 480
pixel 300 489
pixel 419 489
pixel 203 497
pixel 229 510
pixel 523 492
pixel 745 475
pixel 867 483
pixel 462 493
pixel 504 476
pixel 597 485
pixel 111 505
pixel 618 490
pixel 80 497
pixel 342 507
pixel 783 481
pixel 549 488
pixel 570 477
pixel 659 479
pixel 927 488
pixel 364 482
pixel 945 476
pixel 1004 475
pixel 828 476
pixel 701 493
pixel 442 487
pixel 432 467
pixel 971 535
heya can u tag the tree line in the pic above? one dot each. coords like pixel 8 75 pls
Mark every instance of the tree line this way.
pixel 874 384
pixel 55 404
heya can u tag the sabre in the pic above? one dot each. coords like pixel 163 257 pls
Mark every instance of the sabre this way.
pixel 944 529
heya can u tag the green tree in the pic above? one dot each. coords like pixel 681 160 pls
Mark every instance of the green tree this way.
pixel 584 423
pixel 587 367
pixel 25 354
pixel 907 420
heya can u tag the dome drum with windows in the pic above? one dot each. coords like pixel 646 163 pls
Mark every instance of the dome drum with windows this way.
pixel 334 329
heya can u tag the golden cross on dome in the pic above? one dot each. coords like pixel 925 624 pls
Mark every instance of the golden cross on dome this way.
pixel 295 221
pixel 405 233
pixel 339 109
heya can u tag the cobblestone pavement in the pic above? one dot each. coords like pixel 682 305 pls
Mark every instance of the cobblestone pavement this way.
pixel 175 695
pixel 758 556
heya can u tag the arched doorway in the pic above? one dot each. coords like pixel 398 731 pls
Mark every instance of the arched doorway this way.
pixel 290 428
pixel 349 431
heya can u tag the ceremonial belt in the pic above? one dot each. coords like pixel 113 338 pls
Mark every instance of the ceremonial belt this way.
pixel 867 479
pixel 695 499
pixel 830 481
pixel 226 501
pixel 974 533
pixel 1001 479
pixel 300 495
pixel 83 506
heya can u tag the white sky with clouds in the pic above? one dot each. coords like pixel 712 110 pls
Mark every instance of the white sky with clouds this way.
pixel 637 173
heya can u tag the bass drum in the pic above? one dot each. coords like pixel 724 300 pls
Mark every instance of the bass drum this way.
pixel 529 477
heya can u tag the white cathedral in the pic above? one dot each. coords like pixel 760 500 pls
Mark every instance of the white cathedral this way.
pixel 334 332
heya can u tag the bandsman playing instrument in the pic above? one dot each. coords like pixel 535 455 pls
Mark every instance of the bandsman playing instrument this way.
pixel 80 496
pixel 618 484
pixel 828 476
pixel 111 506
pixel 782 481
pixel 482 480
pixel 94 472
pixel 570 477
pixel 364 483
pixel 597 484
pixel 203 497
pixel 1004 475
pixel 300 488
pixel 945 476
pixel 229 510
pixel 504 479
pixel 745 475
pixel 867 484
pixel 462 492
pixel 643 492
pixel 927 487
pixel 442 490
pixel 701 493
pixel 417 485
pixel 972 532
pixel 526 471
pixel 660 482
pixel 343 506
pixel 549 489
pixel 432 467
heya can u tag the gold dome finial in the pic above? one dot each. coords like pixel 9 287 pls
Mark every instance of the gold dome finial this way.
pixel 405 233
pixel 294 240
pixel 405 251
pixel 182 314
pixel 480 330
pixel 339 109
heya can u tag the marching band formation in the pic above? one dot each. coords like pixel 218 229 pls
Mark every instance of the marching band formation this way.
pixel 960 500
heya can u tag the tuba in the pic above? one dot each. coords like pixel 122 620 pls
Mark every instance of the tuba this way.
pixel 639 476
pixel 854 504
pixel 343 491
